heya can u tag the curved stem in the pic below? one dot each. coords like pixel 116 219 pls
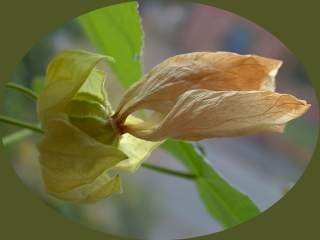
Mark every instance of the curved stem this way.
pixel 19 123
pixel 23 90
pixel 16 136
pixel 175 173
pixel 28 128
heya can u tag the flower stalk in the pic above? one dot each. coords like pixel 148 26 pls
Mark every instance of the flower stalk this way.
pixel 159 169
pixel 26 91
pixel 19 123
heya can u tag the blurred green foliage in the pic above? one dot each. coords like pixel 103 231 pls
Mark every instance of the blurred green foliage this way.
pixel 117 31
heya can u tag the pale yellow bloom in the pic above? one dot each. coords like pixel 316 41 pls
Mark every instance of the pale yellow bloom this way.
pixel 191 97
pixel 81 155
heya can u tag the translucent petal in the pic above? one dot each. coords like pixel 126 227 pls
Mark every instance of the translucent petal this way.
pixel 90 110
pixel 101 188
pixel 200 114
pixel 217 71
pixel 71 160
pixel 66 74
pixel 137 150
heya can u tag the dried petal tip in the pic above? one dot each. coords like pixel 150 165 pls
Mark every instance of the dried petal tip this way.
pixel 203 95
pixel 215 71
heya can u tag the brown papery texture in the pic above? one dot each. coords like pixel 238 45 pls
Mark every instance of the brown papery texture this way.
pixel 209 94
pixel 200 114
pixel 217 71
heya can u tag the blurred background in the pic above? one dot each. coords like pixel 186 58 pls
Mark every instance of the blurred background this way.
pixel 155 206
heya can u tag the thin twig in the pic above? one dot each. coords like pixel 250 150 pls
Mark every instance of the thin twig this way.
pixel 29 129
pixel 28 92
pixel 169 171
pixel 22 124
pixel 16 136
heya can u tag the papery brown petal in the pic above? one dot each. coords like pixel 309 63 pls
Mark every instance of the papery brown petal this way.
pixel 217 71
pixel 200 114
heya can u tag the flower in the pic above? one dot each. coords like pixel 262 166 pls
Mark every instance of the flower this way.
pixel 80 154
pixel 189 97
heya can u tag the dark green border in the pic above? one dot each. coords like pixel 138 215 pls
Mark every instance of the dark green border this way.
pixel 24 216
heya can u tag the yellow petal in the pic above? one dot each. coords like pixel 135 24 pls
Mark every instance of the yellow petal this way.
pixel 71 160
pixel 101 188
pixel 66 74
pixel 217 71
pixel 93 88
pixel 200 114
pixel 137 150
pixel 89 109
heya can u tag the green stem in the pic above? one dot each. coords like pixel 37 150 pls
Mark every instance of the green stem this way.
pixel 16 136
pixel 23 90
pixel 28 128
pixel 15 122
pixel 175 173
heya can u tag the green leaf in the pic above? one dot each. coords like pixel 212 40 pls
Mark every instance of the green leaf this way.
pixel 226 204
pixel 116 31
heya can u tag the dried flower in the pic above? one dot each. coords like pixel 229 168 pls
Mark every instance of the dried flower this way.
pixel 191 97
pixel 81 154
